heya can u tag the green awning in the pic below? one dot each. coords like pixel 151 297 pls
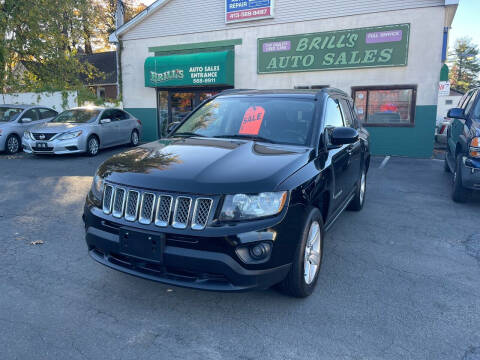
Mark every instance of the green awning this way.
pixel 199 69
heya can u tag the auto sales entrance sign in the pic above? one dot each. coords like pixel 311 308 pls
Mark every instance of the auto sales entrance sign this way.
pixel 379 46
pixel 246 10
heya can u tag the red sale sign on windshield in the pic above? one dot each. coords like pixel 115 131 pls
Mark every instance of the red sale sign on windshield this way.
pixel 252 120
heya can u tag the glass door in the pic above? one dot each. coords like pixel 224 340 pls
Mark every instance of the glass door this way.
pixel 181 104
pixel 175 105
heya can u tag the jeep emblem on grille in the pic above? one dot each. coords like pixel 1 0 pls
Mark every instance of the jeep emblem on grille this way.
pixel 42 137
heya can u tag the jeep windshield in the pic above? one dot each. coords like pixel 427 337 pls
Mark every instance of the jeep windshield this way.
pixel 9 113
pixel 77 116
pixel 274 120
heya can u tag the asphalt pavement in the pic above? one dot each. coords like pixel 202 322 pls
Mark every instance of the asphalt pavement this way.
pixel 400 280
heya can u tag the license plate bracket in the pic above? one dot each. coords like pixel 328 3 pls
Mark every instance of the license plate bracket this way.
pixel 42 145
pixel 145 246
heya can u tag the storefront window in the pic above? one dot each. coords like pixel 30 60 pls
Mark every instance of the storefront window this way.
pixel 385 106
pixel 182 103
pixel 163 112
pixel 174 105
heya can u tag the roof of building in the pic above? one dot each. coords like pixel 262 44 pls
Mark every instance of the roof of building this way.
pixel 106 63
pixel 113 38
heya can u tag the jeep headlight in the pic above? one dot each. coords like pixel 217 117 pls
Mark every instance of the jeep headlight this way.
pixel 70 135
pixel 245 207
pixel 97 187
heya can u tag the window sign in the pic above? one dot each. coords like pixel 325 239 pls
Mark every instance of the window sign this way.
pixel 252 120
pixel 246 10
pixel 379 46
pixel 444 88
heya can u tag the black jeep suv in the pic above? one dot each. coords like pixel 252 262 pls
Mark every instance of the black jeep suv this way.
pixel 462 157
pixel 237 197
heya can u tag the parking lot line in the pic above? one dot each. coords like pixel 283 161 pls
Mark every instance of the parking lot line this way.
pixel 384 162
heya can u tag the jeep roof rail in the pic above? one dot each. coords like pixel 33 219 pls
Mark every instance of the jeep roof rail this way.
pixel 229 91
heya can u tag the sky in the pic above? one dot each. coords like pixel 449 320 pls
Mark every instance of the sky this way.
pixel 146 2
pixel 465 23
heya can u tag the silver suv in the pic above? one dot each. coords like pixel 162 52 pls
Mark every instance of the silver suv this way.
pixel 16 119
pixel 83 130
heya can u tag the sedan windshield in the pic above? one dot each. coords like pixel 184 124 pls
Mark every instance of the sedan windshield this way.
pixel 274 120
pixel 9 113
pixel 77 116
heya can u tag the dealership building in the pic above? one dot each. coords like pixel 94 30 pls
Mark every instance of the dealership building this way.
pixel 387 54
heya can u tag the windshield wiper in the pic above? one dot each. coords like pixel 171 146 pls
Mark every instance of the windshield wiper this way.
pixel 186 133
pixel 246 137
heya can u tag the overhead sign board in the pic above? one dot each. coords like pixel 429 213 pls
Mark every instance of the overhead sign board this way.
pixel 379 46
pixel 246 10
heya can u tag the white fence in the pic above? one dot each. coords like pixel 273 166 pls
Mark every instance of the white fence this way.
pixel 60 100
pixel 56 100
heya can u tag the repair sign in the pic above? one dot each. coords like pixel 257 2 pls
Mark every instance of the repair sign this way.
pixel 246 10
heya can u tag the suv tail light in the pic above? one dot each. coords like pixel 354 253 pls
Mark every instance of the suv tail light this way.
pixel 475 147
pixel 139 122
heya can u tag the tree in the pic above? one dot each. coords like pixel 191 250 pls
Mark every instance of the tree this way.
pixel 47 36
pixel 466 65
pixel 105 19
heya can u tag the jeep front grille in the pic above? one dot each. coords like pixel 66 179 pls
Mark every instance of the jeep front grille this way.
pixel 133 200
pixel 107 199
pixel 118 202
pixel 146 208
pixel 201 212
pixel 181 212
pixel 163 210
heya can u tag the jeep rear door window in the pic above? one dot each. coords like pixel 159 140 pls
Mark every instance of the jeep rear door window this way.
pixel 277 120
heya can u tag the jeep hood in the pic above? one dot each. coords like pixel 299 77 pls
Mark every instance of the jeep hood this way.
pixel 205 166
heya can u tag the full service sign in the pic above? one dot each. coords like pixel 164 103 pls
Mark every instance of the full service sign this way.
pixel 245 10
pixel 345 49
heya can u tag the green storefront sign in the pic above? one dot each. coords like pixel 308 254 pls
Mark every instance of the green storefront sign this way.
pixel 378 46
pixel 199 69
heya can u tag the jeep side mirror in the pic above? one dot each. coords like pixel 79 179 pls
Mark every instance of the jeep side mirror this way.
pixel 105 121
pixel 456 113
pixel 343 135
pixel 26 120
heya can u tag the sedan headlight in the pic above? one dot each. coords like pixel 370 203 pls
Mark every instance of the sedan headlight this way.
pixel 244 207
pixel 97 187
pixel 70 135
pixel 28 135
